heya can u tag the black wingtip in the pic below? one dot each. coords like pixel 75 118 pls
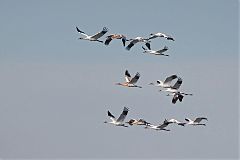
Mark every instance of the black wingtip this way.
pixel 127 73
pixel 148 45
pixel 110 114
pixel 78 29
pixel 124 41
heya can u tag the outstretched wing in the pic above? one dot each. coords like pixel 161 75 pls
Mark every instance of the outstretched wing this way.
pixel 81 32
pixel 162 126
pixel 169 79
pixel 124 39
pixel 127 76
pixel 135 78
pixel 123 115
pixel 131 44
pixel 177 96
pixel 163 50
pixel 199 119
pixel 177 84
pixel 111 116
pixel 174 99
pixel 170 38
pixel 100 34
pixel 108 40
pixel 180 97
pixel 148 45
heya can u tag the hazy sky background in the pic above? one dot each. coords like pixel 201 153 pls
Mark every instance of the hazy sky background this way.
pixel 56 89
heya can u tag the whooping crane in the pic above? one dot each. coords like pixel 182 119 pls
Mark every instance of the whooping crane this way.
pixel 115 36
pixel 130 82
pixel 196 121
pixel 166 83
pixel 175 87
pixel 93 37
pixel 176 121
pixel 119 121
pixel 158 52
pixel 136 40
pixel 155 35
pixel 159 127
pixel 173 91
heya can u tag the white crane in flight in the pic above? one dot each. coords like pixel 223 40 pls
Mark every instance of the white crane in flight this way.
pixel 129 81
pixel 120 120
pixel 92 37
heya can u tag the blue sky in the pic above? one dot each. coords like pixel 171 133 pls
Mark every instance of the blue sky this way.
pixel 56 89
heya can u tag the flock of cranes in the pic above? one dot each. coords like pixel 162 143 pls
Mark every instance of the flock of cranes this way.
pixel 172 89
pixel 124 39
pixel 147 125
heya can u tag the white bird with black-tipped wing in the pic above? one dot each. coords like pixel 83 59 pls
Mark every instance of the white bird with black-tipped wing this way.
pixel 196 121
pixel 174 91
pixel 166 83
pixel 175 87
pixel 92 37
pixel 159 127
pixel 158 52
pixel 137 40
pixel 176 122
pixel 155 35
pixel 130 82
pixel 120 120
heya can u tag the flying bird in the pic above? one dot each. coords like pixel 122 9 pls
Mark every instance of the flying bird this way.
pixel 115 36
pixel 137 40
pixel 155 35
pixel 174 91
pixel 120 120
pixel 175 87
pixel 130 82
pixel 196 121
pixel 93 37
pixel 176 96
pixel 176 122
pixel 137 122
pixel 166 83
pixel 158 52
pixel 158 127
